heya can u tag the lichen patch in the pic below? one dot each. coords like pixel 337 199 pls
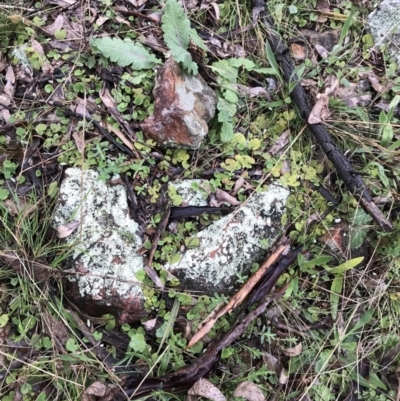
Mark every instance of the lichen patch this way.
pixel 106 242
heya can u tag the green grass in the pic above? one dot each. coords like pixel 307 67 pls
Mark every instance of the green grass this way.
pixel 54 354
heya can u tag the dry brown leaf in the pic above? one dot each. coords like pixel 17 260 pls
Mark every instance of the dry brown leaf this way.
pixel 250 391
pixel 323 6
pixel 102 19
pixel 205 5
pixel 108 101
pixel 335 238
pixel 56 329
pixel 155 17
pixel 150 325
pixel 5 101
pixel 293 351
pixel 19 206
pixel 55 26
pixel 74 31
pixel 39 271
pixel 284 376
pixel 137 3
pixel 273 364
pixel 321 51
pixel 280 143
pixel 351 97
pixel 79 138
pixel 320 111
pixel 96 389
pixel 122 20
pixel 257 91
pixel 10 82
pixel 299 51
pixel 153 276
pixel 62 3
pixel 238 184
pixel 64 230
pixel 285 167
pixel 46 66
pixel 8 93
pixel 373 79
pixel 206 389
pixel 223 196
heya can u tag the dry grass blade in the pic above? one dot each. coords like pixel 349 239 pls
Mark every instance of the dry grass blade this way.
pixel 239 297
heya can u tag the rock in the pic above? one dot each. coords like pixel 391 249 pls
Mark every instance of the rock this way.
pixel 193 192
pixel 105 245
pixel 183 106
pixel 232 244
pixel 384 24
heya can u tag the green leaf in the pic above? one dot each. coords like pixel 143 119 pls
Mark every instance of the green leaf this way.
pixel 4 194
pixel 47 343
pixel 192 242
pixel 140 275
pixel 25 388
pixel 52 190
pixel 344 31
pixel 72 345
pixel 272 62
pixel 60 34
pixel 138 343
pixel 336 290
pixel 175 259
pixel 177 33
pixel 3 320
pixel 226 131
pixel 231 96
pixel 361 218
pixel 323 361
pixel 41 128
pixel 194 36
pixel 41 397
pixel 365 319
pixel 320 261
pixel 125 52
pixel 348 265
pixel 357 236
pixel 387 134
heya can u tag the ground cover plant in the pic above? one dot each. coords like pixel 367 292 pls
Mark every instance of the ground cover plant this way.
pixel 331 327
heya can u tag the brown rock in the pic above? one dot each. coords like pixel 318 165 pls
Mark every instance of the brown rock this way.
pixel 183 106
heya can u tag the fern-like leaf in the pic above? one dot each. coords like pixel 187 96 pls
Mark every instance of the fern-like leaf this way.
pixel 177 34
pixel 125 52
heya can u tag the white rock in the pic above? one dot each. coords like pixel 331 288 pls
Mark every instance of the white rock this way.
pixel 105 244
pixel 190 196
pixel 232 244
pixel 384 24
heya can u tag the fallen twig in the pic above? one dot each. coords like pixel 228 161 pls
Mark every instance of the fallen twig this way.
pixel 352 180
pixel 238 298
pixel 185 377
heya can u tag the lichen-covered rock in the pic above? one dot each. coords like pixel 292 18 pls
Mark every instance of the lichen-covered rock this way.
pixel 105 258
pixel 183 106
pixel 384 24
pixel 232 244
pixel 193 192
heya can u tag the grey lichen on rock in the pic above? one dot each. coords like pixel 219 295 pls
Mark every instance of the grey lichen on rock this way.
pixel 105 246
pixel 232 244
pixel 384 24
pixel 193 192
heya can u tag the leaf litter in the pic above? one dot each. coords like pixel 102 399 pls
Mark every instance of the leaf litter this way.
pixel 64 30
